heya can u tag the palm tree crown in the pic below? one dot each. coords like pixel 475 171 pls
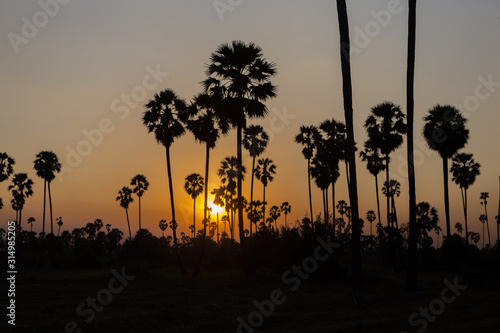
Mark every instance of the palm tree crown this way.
pixel 6 166
pixel 385 127
pixel 194 185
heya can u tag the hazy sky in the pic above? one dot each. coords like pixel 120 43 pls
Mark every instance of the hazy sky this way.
pixel 86 68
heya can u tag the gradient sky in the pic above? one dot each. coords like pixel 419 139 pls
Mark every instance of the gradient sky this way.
pixel 74 72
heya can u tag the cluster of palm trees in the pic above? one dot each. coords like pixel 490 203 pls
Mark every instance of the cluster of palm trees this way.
pixel 140 185
pixel 237 85
pixel 47 166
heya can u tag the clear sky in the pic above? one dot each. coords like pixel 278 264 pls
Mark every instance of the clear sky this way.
pixel 78 66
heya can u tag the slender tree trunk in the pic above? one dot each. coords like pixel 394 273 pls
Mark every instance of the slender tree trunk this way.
pixel 251 196
pixel 387 182
pixel 194 216
pixel 140 226
pixel 128 223
pixel 172 206
pixel 446 196
pixel 247 268
pixel 50 207
pixel 310 195
pixel 487 222
pixel 327 213
pixel 464 202
pixel 20 219
pixel 333 209
pixel 44 205
pixel 412 272
pixel 264 204
pixel 357 271
pixel 378 202
pixel 324 206
pixel 393 203
pixel 347 175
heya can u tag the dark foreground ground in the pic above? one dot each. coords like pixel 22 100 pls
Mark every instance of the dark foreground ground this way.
pixel 163 301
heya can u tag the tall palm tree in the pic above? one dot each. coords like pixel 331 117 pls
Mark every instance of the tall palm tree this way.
pixel 265 172
pixel 241 76
pixel 46 166
pixel 59 223
pixel 194 187
pixel 391 189
pixel 163 226
pixel 445 132
pixel 141 185
pixel 385 127
pixel 323 178
pixel 484 202
pixel 370 216
pixel 411 276
pixel 6 166
pixel 274 212
pixel 345 49
pixel 374 164
pixel 254 212
pixel 286 209
pixel 125 198
pixel 17 204
pixel 31 220
pixel 306 138
pixel 22 188
pixel 464 171
pixel 255 140
pixel 483 219
pixel 162 118
pixel 228 172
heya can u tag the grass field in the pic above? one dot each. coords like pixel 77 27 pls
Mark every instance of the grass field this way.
pixel 163 301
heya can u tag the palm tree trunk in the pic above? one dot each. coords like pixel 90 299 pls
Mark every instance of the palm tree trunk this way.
pixel 172 206
pixel 248 270
pixel 194 216
pixel 487 222
pixel 393 203
pixel 333 209
pixel 387 182
pixel 464 202
pixel 327 213
pixel 264 205
pixel 20 218
pixel 378 202
pixel 44 204
pixel 356 267
pixel 446 196
pixel 251 195
pixel 310 195
pixel 412 272
pixel 128 223
pixel 140 227
pixel 205 211
pixel 50 207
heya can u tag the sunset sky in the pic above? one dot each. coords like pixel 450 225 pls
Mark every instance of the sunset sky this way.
pixel 87 68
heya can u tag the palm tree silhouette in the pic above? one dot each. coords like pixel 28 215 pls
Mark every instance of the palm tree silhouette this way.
pixel 411 276
pixel 194 187
pixel 445 132
pixel 391 189
pixel 306 138
pixel 286 209
pixel 374 164
pixel 254 211
pixel 207 126
pixel 141 185
pixel 31 220
pixel 464 170
pixel 322 177
pixel 255 140
pixel 46 166
pixel 125 198
pixel 385 128
pixel 163 118
pixel 21 189
pixel 59 223
pixel 484 202
pixel 265 172
pixel 370 216
pixel 274 212
pixel 241 76
pixel 163 225
pixel 459 228
pixel 6 166
pixel 427 220
pixel 438 230
pixel 483 220
pixel 334 149
pixel 228 172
